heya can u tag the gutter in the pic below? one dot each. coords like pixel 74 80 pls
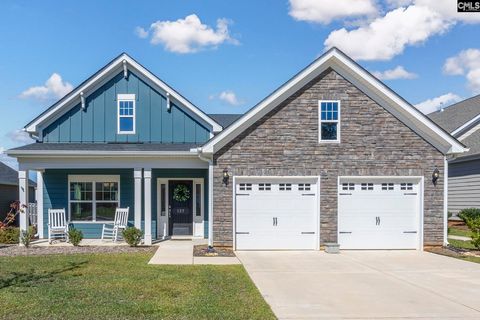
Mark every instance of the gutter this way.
pixel 86 153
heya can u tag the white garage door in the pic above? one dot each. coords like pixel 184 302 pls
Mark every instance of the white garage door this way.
pixel 378 213
pixel 276 214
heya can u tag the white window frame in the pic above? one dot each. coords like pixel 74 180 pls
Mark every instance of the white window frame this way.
pixel 92 179
pixel 320 121
pixel 127 98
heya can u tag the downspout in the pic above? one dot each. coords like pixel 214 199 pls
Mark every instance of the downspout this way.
pixel 210 194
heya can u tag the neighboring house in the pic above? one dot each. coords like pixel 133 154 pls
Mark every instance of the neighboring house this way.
pixel 333 155
pixel 9 189
pixel 462 120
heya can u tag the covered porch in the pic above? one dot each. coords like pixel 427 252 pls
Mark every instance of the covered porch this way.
pixel 167 195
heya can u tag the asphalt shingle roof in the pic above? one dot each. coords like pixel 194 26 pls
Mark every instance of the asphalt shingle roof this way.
pixel 9 176
pixel 225 119
pixel 458 114
pixel 108 147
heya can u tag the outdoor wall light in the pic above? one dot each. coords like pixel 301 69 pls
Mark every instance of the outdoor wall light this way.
pixel 435 176
pixel 226 177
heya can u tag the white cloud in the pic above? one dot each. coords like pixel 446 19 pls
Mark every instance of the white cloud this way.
pixel 408 23
pixel 141 33
pixel 54 88
pixel 387 36
pixel 324 11
pixel 227 96
pixel 398 72
pixel 19 137
pixel 434 104
pixel 187 35
pixel 467 63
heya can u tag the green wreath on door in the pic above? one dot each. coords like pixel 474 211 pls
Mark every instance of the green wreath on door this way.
pixel 181 193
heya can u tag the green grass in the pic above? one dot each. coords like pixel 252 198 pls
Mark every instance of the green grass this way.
pixel 459 232
pixel 124 286
pixel 461 244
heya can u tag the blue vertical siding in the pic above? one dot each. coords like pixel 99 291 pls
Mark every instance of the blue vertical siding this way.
pixel 55 195
pixel 98 122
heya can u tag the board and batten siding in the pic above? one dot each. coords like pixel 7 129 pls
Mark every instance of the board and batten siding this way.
pixel 463 185
pixel 55 196
pixel 98 122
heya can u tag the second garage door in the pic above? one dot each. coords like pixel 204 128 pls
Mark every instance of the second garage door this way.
pixel 276 214
pixel 378 213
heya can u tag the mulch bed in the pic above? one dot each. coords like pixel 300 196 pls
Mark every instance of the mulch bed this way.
pixel 202 251
pixel 458 225
pixel 16 250
pixel 454 252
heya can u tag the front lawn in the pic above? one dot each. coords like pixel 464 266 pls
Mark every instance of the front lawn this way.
pixel 124 286
pixel 461 244
pixel 459 232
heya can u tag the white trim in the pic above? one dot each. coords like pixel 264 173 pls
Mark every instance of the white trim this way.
pixel 111 69
pixel 147 206
pixel 210 203
pixel 469 132
pixel 39 196
pixel 137 176
pixel 417 179
pixel 126 98
pixel 445 201
pixel 93 179
pixel 90 153
pixel 465 125
pixel 320 121
pixel 256 179
pixel 361 78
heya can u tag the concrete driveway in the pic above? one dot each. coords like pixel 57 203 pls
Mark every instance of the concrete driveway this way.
pixel 365 284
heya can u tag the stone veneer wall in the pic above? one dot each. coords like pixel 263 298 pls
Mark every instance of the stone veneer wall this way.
pixel 285 142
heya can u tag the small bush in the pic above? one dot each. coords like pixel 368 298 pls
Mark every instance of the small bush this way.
pixel 27 236
pixel 469 213
pixel 10 235
pixel 132 236
pixel 474 226
pixel 75 236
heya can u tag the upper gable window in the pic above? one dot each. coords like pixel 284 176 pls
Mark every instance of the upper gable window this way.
pixel 126 113
pixel 329 122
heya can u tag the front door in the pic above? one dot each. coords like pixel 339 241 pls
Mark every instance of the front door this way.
pixel 181 203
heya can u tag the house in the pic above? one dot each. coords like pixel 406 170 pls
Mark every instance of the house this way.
pixel 9 189
pixel 462 120
pixel 333 155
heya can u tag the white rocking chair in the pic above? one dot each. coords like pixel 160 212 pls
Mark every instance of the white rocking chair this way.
pixel 57 225
pixel 113 231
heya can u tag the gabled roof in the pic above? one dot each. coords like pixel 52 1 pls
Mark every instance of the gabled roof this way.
pixel 9 176
pixel 458 114
pixel 360 78
pixel 225 119
pixel 103 75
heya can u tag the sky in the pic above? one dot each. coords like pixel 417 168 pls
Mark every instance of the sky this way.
pixel 225 56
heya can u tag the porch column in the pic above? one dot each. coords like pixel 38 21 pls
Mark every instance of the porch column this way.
pixel 445 202
pixel 39 198
pixel 23 198
pixel 137 174
pixel 210 203
pixel 147 176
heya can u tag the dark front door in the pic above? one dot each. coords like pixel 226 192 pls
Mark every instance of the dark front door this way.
pixel 181 202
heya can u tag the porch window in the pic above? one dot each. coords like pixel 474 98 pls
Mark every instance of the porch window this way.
pixel 93 198
pixel 126 113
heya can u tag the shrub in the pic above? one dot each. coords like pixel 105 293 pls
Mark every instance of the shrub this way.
pixel 474 226
pixel 27 236
pixel 75 236
pixel 9 235
pixel 469 213
pixel 132 236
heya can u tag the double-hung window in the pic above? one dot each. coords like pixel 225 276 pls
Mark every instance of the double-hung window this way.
pixel 126 113
pixel 93 198
pixel 329 121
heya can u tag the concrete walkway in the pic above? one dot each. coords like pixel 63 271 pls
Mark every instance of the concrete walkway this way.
pixel 365 284
pixel 181 252
pixel 462 238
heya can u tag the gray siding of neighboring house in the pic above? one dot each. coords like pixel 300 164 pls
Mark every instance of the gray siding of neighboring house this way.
pixel 463 185
pixel 285 142
pixel 8 194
